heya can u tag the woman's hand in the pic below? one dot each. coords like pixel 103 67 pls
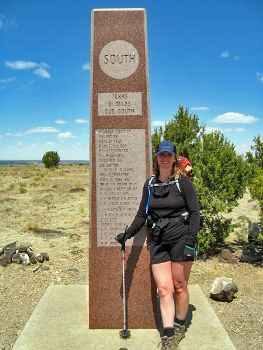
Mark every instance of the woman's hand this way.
pixel 122 238
pixel 189 252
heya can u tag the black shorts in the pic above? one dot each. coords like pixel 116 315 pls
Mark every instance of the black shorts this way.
pixel 160 252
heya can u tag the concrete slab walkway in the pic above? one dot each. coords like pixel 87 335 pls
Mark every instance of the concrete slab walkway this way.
pixel 60 322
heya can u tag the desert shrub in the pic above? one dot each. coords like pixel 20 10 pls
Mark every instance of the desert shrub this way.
pixel 22 188
pixel 255 159
pixel 11 187
pixel 51 159
pixel 221 174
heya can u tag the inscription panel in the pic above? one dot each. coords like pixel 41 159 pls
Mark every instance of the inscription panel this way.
pixel 120 175
pixel 119 103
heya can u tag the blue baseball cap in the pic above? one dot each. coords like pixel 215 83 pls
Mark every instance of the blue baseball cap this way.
pixel 166 146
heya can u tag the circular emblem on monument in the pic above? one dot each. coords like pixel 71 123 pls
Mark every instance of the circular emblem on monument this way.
pixel 119 59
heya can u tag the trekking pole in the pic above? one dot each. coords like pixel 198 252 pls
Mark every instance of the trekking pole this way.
pixel 124 333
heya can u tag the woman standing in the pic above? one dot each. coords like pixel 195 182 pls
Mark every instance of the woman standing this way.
pixel 170 204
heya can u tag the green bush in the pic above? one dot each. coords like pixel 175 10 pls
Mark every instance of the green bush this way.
pixel 51 159
pixel 220 174
pixel 256 189
pixel 255 159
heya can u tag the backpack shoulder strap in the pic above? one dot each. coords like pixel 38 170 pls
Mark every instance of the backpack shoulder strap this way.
pixel 178 185
pixel 152 178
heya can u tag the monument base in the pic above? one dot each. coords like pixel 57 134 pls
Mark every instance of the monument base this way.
pixel 60 321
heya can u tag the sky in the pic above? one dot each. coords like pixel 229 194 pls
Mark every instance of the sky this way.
pixel 205 55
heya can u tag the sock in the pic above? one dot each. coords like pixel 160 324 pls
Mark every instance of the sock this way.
pixel 180 322
pixel 168 331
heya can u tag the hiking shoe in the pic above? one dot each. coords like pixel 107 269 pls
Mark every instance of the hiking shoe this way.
pixel 179 333
pixel 167 343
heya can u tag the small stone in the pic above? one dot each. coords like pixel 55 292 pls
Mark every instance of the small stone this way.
pixel 227 256
pixel 223 289
pixel 32 256
pixel 16 258
pixel 40 258
pixel 25 259
pixel 10 250
pixel 23 246
pixel 45 256
pixel 1 251
pixel 4 261
pixel 45 268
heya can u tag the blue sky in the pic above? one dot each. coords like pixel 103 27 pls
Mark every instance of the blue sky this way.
pixel 205 55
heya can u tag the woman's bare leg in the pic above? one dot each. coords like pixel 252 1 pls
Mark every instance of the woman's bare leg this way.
pixel 162 274
pixel 180 273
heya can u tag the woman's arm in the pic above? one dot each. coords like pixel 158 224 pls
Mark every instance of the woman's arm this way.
pixel 193 208
pixel 141 215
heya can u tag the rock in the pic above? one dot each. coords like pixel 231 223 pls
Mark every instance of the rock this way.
pixel 4 261
pixel 254 230
pixel 41 257
pixel 25 258
pixel 10 250
pixel 227 256
pixel 223 289
pixel 23 246
pixel 252 254
pixel 16 258
pixel 1 251
pixel 32 256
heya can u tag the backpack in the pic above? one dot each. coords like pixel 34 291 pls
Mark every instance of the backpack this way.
pixel 176 181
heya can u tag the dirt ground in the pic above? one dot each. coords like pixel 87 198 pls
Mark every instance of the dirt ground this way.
pixel 49 209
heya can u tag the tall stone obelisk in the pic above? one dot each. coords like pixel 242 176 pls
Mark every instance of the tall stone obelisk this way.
pixel 120 162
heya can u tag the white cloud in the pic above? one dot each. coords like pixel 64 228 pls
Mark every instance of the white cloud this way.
pixel 41 130
pixel 233 118
pixel 234 129
pixel 7 80
pixel 225 54
pixel 81 121
pixel 42 72
pixel 40 69
pixel 44 65
pixel 201 108
pixel 86 66
pixel 20 65
pixel 260 77
pixel 17 134
pixel 60 121
pixel 228 55
pixel 65 135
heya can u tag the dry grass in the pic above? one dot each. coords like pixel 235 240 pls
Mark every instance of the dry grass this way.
pixel 52 214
